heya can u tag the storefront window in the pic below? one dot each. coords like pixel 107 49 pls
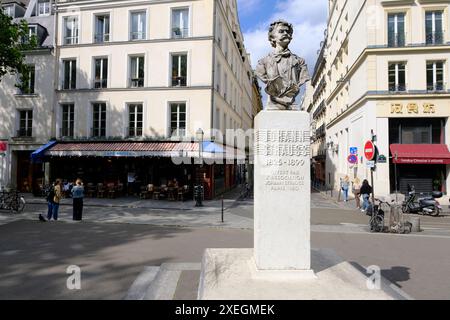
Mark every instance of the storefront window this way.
pixel 416 131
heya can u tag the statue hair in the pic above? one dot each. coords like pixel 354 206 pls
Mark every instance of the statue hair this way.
pixel 273 26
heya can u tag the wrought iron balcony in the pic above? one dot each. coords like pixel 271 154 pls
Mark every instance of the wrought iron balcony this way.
pixel 397 88
pixel 137 82
pixel 179 82
pixel 433 38
pixel 101 37
pixel 396 40
pixel 435 87
pixel 180 32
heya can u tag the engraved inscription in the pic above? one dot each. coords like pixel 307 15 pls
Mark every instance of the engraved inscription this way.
pixel 283 155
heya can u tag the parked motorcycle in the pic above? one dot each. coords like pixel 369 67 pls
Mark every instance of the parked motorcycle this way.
pixel 422 205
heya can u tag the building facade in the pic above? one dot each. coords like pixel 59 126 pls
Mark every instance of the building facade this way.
pixel 26 111
pixel 387 80
pixel 145 76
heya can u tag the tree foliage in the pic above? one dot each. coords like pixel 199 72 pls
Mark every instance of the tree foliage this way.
pixel 14 42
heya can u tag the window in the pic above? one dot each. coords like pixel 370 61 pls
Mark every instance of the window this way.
pixel 25 123
pixel 67 123
pixel 101 73
pixel 138 25
pixel 137 65
pixel 135 120
pixel 225 87
pixel 397 77
pixel 226 48
pixel 9 11
pixel 219 33
pixel 32 32
pixel 218 77
pixel 71 30
pixel 396 30
pixel 435 76
pixel 70 74
pixel 180 23
pixel 26 83
pixel 178 119
pixel 44 7
pixel 179 70
pixel 434 27
pixel 416 131
pixel 99 120
pixel 101 28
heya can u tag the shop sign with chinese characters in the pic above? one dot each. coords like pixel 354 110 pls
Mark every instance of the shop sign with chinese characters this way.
pixel 413 108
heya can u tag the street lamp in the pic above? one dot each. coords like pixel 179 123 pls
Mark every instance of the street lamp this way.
pixel 199 136
pixel 198 190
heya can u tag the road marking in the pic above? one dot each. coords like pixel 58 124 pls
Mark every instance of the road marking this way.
pixel 139 287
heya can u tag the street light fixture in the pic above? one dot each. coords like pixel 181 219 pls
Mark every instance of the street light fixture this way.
pixel 199 136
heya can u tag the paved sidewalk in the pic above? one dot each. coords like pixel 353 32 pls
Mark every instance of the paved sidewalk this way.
pixel 135 202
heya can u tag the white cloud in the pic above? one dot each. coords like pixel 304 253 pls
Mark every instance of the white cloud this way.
pixel 309 20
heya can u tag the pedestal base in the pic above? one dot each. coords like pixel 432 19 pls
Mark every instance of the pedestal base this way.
pixel 230 274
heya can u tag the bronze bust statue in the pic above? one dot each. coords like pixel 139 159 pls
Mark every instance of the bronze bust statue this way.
pixel 282 71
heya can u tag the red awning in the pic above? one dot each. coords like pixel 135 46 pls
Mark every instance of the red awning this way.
pixel 420 154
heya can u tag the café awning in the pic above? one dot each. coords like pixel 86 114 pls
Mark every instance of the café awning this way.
pixel 38 155
pixel 420 154
pixel 210 150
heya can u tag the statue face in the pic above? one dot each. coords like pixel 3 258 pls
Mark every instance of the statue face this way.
pixel 281 36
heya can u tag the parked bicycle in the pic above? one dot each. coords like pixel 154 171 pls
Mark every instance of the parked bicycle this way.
pixel 376 213
pixel 12 201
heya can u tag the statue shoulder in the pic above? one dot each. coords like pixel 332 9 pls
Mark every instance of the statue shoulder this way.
pixel 299 60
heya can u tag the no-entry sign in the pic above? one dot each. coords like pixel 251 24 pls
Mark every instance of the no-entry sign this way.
pixel 369 150
pixel 3 146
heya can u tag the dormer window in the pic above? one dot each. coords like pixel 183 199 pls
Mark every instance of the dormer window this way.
pixel 9 11
pixel 32 32
pixel 44 7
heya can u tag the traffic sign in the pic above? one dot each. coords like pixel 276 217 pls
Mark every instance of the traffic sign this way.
pixel 353 150
pixel 369 150
pixel 352 159
pixel 3 146
pixel 370 164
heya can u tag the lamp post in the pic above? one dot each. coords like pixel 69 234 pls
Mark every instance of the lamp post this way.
pixel 198 192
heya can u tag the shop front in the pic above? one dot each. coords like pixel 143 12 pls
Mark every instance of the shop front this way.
pixel 419 155
pixel 131 167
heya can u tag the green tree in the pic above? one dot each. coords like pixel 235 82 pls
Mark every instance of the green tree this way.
pixel 14 43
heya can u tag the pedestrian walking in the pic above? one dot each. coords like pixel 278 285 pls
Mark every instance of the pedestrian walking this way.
pixel 56 200
pixel 77 196
pixel 356 188
pixel 50 197
pixel 345 185
pixel 366 191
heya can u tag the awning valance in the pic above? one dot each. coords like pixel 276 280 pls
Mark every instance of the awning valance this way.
pixel 38 155
pixel 420 154
pixel 210 150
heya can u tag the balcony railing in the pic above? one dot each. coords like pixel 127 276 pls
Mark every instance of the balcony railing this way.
pixel 102 83
pixel 134 132
pixel 180 32
pixel 137 82
pixel 397 88
pixel 435 87
pixel 101 37
pixel 66 132
pixel 435 38
pixel 179 82
pixel 137 35
pixel 396 40
pixel 320 132
pixel 98 132
pixel 320 109
pixel 71 40
pixel 24 133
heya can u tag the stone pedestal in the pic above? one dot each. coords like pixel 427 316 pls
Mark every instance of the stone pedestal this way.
pixel 282 191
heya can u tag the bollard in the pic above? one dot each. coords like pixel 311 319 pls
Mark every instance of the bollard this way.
pixel 222 210
pixel 415 221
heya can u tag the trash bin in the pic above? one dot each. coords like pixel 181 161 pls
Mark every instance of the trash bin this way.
pixel 199 194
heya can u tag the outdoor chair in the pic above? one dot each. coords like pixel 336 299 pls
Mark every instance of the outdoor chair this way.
pixel 111 191
pixel 100 190
pixel 156 193
pixel 90 190
pixel 182 192
pixel 144 192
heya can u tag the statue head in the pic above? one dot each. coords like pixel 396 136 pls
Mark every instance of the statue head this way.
pixel 280 32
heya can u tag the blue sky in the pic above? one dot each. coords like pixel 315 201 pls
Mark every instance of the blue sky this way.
pixel 307 16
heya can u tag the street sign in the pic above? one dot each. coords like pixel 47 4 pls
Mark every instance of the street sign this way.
pixel 370 164
pixel 353 150
pixel 352 159
pixel 382 159
pixel 3 146
pixel 369 150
